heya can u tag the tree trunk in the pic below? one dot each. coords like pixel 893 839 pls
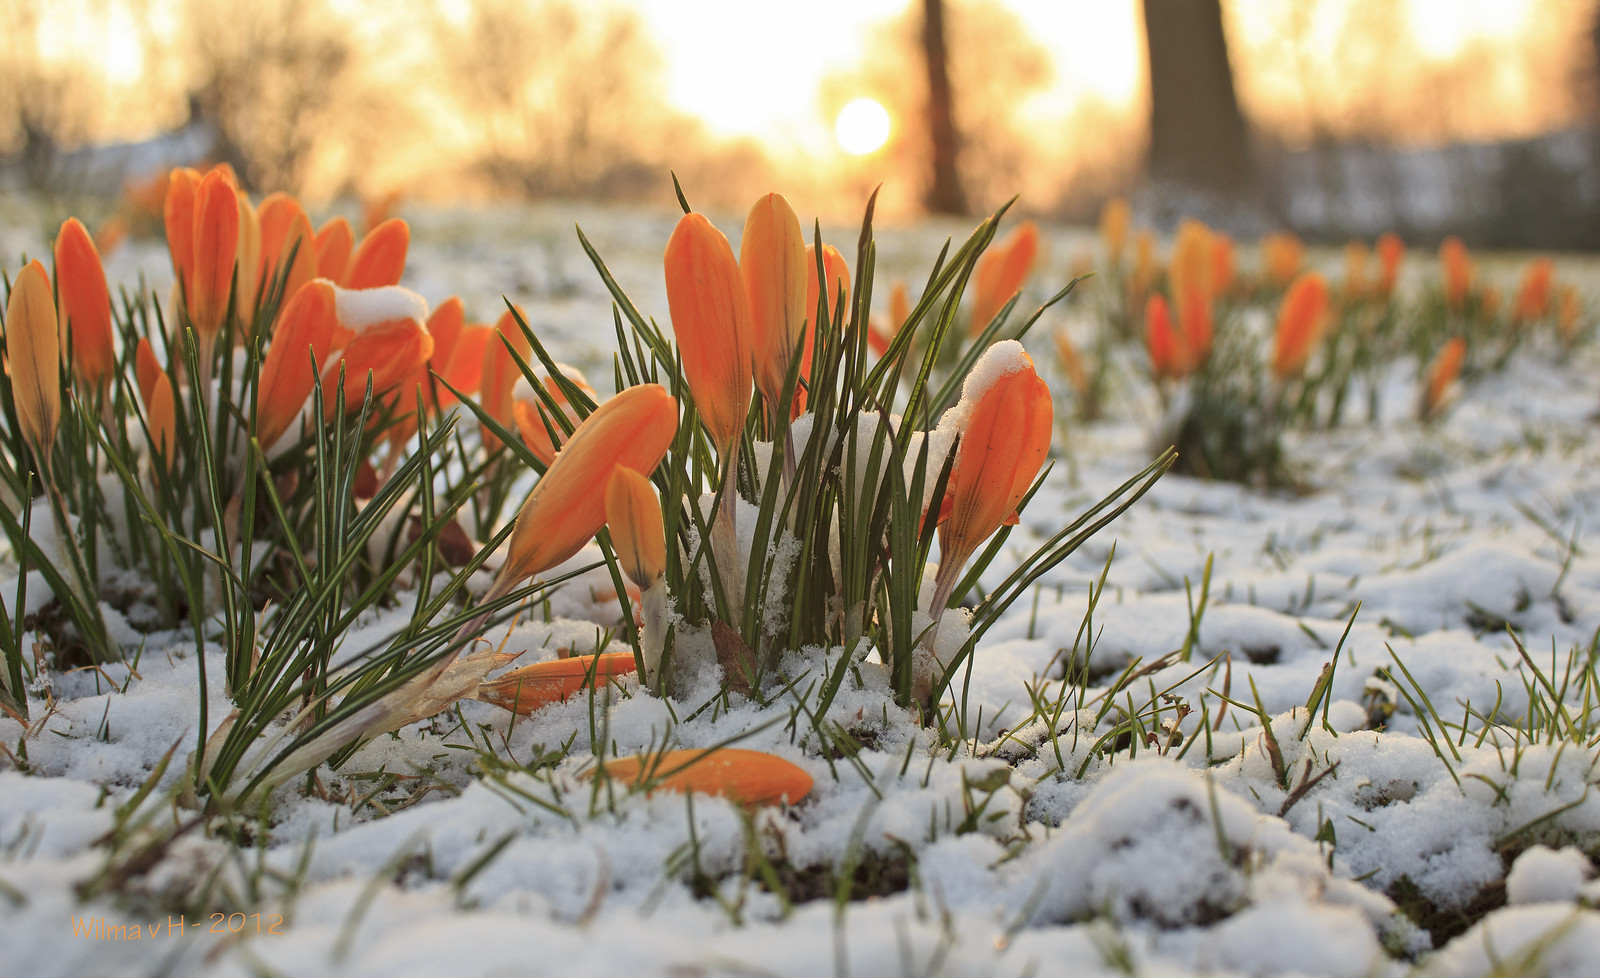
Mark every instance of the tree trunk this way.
pixel 944 193
pixel 1197 133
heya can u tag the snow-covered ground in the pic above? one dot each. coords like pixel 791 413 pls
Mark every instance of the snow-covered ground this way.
pixel 1310 845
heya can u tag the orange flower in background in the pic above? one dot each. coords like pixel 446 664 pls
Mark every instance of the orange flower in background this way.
pixel 1441 374
pixel 1145 268
pixel 1115 215
pixel 178 216
pixel 381 258
pixel 146 368
pixel 216 247
pixel 33 351
pixel 389 342
pixel 567 505
pixel 1281 255
pixel 1568 310
pixel 711 319
pixel 458 350
pixel 161 417
pixel 497 378
pixel 1355 269
pixel 286 231
pixel 306 335
pixel 1005 438
pixel 749 778
pixel 880 336
pixel 837 272
pixel 634 515
pixel 1196 325
pixel 85 305
pixel 531 415
pixel 1071 361
pixel 1533 293
pixel 529 688
pixel 1456 265
pixel 335 240
pixel 1221 263
pixel 1001 273
pixel 772 261
pixel 1189 273
pixel 1391 251
pixel 1169 354
pixel 1302 317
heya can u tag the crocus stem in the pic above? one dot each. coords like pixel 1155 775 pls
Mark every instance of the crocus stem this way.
pixel 725 534
pixel 501 587
pixel 653 635
pixel 944 582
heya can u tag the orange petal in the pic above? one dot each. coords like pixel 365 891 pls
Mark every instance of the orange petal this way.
pixel 1441 373
pixel 390 343
pixel 178 215
pixel 216 246
pixel 302 341
pixel 33 348
pixel 146 368
pixel 249 259
pixel 85 305
pixel 162 419
pixel 1221 263
pixel 1189 275
pixel 500 373
pixel 1302 317
pixel 1533 293
pixel 711 319
pixel 1168 354
pixel 837 272
pixel 772 261
pixel 1001 273
pixel 381 258
pixel 285 232
pixel 334 240
pixel 528 688
pixel 1391 250
pixel 567 505
pixel 634 515
pixel 750 778
pixel 464 370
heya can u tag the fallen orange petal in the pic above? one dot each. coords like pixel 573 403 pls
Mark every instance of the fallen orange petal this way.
pixel 532 687
pixel 747 777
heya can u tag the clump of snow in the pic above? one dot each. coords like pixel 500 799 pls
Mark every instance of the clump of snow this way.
pixel 1545 875
pixel 361 309
pixel 1548 939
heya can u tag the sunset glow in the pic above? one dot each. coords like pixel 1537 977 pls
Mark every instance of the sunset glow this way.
pixel 862 127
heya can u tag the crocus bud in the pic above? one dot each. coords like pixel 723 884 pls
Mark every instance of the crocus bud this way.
pixel 1001 273
pixel 161 417
pixel 1169 356
pixel 33 349
pixel 529 688
pixel 216 247
pixel 711 319
pixel 1441 374
pixel 304 339
pixel 1302 317
pixel 1533 294
pixel 1456 264
pixel 1281 255
pixel 381 258
pixel 178 216
pixel 837 273
pixel 1189 274
pixel 567 505
pixel 334 241
pixel 1391 251
pixel 1114 218
pixel 749 778
pixel 1004 420
pixel 389 341
pixel 634 515
pixel 85 305
pixel 772 261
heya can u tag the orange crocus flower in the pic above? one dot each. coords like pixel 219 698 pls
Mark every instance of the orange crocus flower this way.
pixel 1221 263
pixel 161 417
pixel 530 413
pixel 772 261
pixel 381 258
pixel 334 240
pixel 1302 317
pixel 146 368
pixel 634 515
pixel 1568 311
pixel 178 215
pixel 837 272
pixel 286 229
pixel 1441 373
pixel 216 247
pixel 389 341
pixel 1004 419
pixel 464 370
pixel 1189 274
pixel 1281 255
pixel 1533 294
pixel 306 335
pixel 1391 250
pixel 879 336
pixel 1196 324
pixel 747 777
pixel 711 318
pixel 1456 264
pixel 33 350
pixel 1071 360
pixel 567 505
pixel 1115 216
pixel 1169 354
pixel 1145 269
pixel 499 375
pixel 530 688
pixel 1001 273
pixel 85 305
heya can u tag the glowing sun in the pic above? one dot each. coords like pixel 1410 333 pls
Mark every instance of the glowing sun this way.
pixel 862 127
